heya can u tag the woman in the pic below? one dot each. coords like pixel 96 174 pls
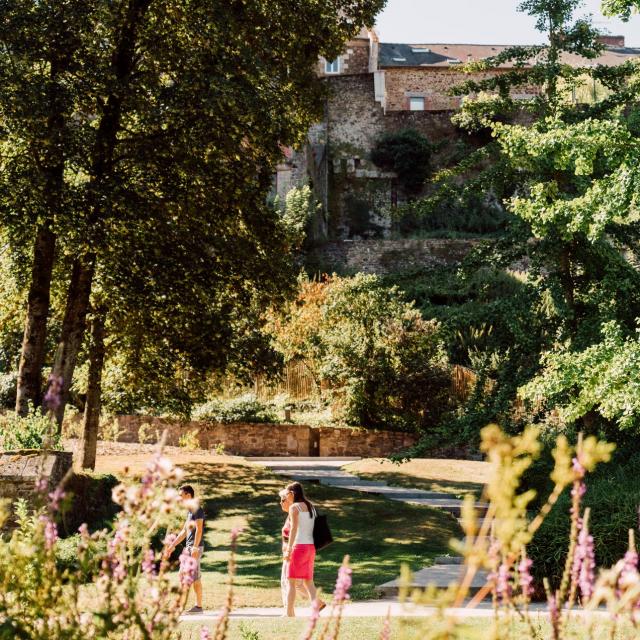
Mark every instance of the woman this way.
pixel 286 530
pixel 299 552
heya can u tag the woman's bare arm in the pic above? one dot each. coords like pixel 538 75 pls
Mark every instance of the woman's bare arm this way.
pixel 293 518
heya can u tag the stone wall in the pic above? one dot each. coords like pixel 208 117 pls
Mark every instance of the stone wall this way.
pixel 434 85
pixel 246 439
pixel 388 256
pixel 19 471
pixel 360 195
pixel 355 58
pixel 364 443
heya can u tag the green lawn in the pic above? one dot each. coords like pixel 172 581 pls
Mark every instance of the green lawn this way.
pixel 378 534
pixel 406 629
pixel 458 477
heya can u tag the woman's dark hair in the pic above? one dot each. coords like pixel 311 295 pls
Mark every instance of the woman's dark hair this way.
pixel 298 495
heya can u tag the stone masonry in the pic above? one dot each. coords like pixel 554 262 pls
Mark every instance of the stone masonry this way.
pixel 248 439
pixel 19 471
pixel 389 256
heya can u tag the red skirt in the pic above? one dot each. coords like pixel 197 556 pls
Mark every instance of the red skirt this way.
pixel 301 562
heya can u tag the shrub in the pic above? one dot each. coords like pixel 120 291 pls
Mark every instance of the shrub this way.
pixel 613 494
pixel 243 409
pixel 33 431
pixel 110 429
pixel 408 154
pixel 190 440
pixel 385 363
pixel 8 387
pixel 89 502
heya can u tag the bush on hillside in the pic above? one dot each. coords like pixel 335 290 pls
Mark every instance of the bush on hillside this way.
pixel 408 154
pixel 613 494
pixel 243 409
pixel 8 387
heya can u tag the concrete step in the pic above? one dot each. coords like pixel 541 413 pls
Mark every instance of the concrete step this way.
pixel 448 560
pixel 439 575
pixel 453 507
pixel 348 482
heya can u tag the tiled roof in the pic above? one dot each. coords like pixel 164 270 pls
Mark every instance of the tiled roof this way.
pixel 451 55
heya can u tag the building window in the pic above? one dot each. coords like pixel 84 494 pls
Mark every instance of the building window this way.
pixel 416 104
pixel 333 66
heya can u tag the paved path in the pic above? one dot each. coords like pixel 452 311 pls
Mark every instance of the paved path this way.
pixel 374 609
pixel 328 471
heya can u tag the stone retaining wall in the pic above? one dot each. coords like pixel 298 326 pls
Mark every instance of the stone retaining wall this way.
pixel 19 471
pixel 389 256
pixel 248 439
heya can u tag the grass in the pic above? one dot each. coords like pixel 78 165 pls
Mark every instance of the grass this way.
pixel 378 534
pixel 409 629
pixel 279 628
pixel 458 477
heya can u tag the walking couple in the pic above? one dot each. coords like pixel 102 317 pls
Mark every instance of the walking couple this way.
pixel 298 548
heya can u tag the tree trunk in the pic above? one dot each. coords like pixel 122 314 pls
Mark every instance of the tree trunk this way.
pixel 102 167
pixel 568 287
pixel 35 326
pixel 73 327
pixel 94 392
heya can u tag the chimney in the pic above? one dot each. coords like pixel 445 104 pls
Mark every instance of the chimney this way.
pixel 611 41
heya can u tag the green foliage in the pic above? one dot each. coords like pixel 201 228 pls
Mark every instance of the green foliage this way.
pixel 89 501
pixel 8 382
pixel 190 440
pixel 613 494
pixel 149 173
pixel 602 378
pixel 33 431
pixel 622 8
pixel 386 363
pixel 408 154
pixel 297 213
pixel 595 183
pixel 242 409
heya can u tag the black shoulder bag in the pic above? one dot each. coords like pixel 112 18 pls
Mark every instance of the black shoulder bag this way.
pixel 321 533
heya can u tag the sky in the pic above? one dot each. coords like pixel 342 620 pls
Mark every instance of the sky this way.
pixel 480 22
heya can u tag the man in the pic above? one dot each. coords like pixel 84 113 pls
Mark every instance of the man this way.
pixel 193 531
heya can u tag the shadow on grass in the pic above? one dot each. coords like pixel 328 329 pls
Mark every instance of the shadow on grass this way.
pixel 405 480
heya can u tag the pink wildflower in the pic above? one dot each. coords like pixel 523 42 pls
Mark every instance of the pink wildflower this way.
pixel 386 627
pixel 188 568
pixel 41 485
pixel 343 584
pixel 55 498
pixel 526 580
pixel 554 614
pixel 579 468
pixel 503 585
pixel 586 557
pixel 148 562
pixel 53 397
pixel 205 634
pixel 313 619
pixel 50 532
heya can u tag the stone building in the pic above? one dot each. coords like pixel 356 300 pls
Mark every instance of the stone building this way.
pixel 376 88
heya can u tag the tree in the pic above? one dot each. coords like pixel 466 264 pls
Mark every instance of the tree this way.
pixel 408 154
pixel 385 362
pixel 601 378
pixel 566 176
pixel 172 103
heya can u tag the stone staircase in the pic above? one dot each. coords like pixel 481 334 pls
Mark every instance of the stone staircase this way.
pixel 328 471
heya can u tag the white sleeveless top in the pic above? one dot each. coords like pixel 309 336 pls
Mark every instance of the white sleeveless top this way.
pixel 304 535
